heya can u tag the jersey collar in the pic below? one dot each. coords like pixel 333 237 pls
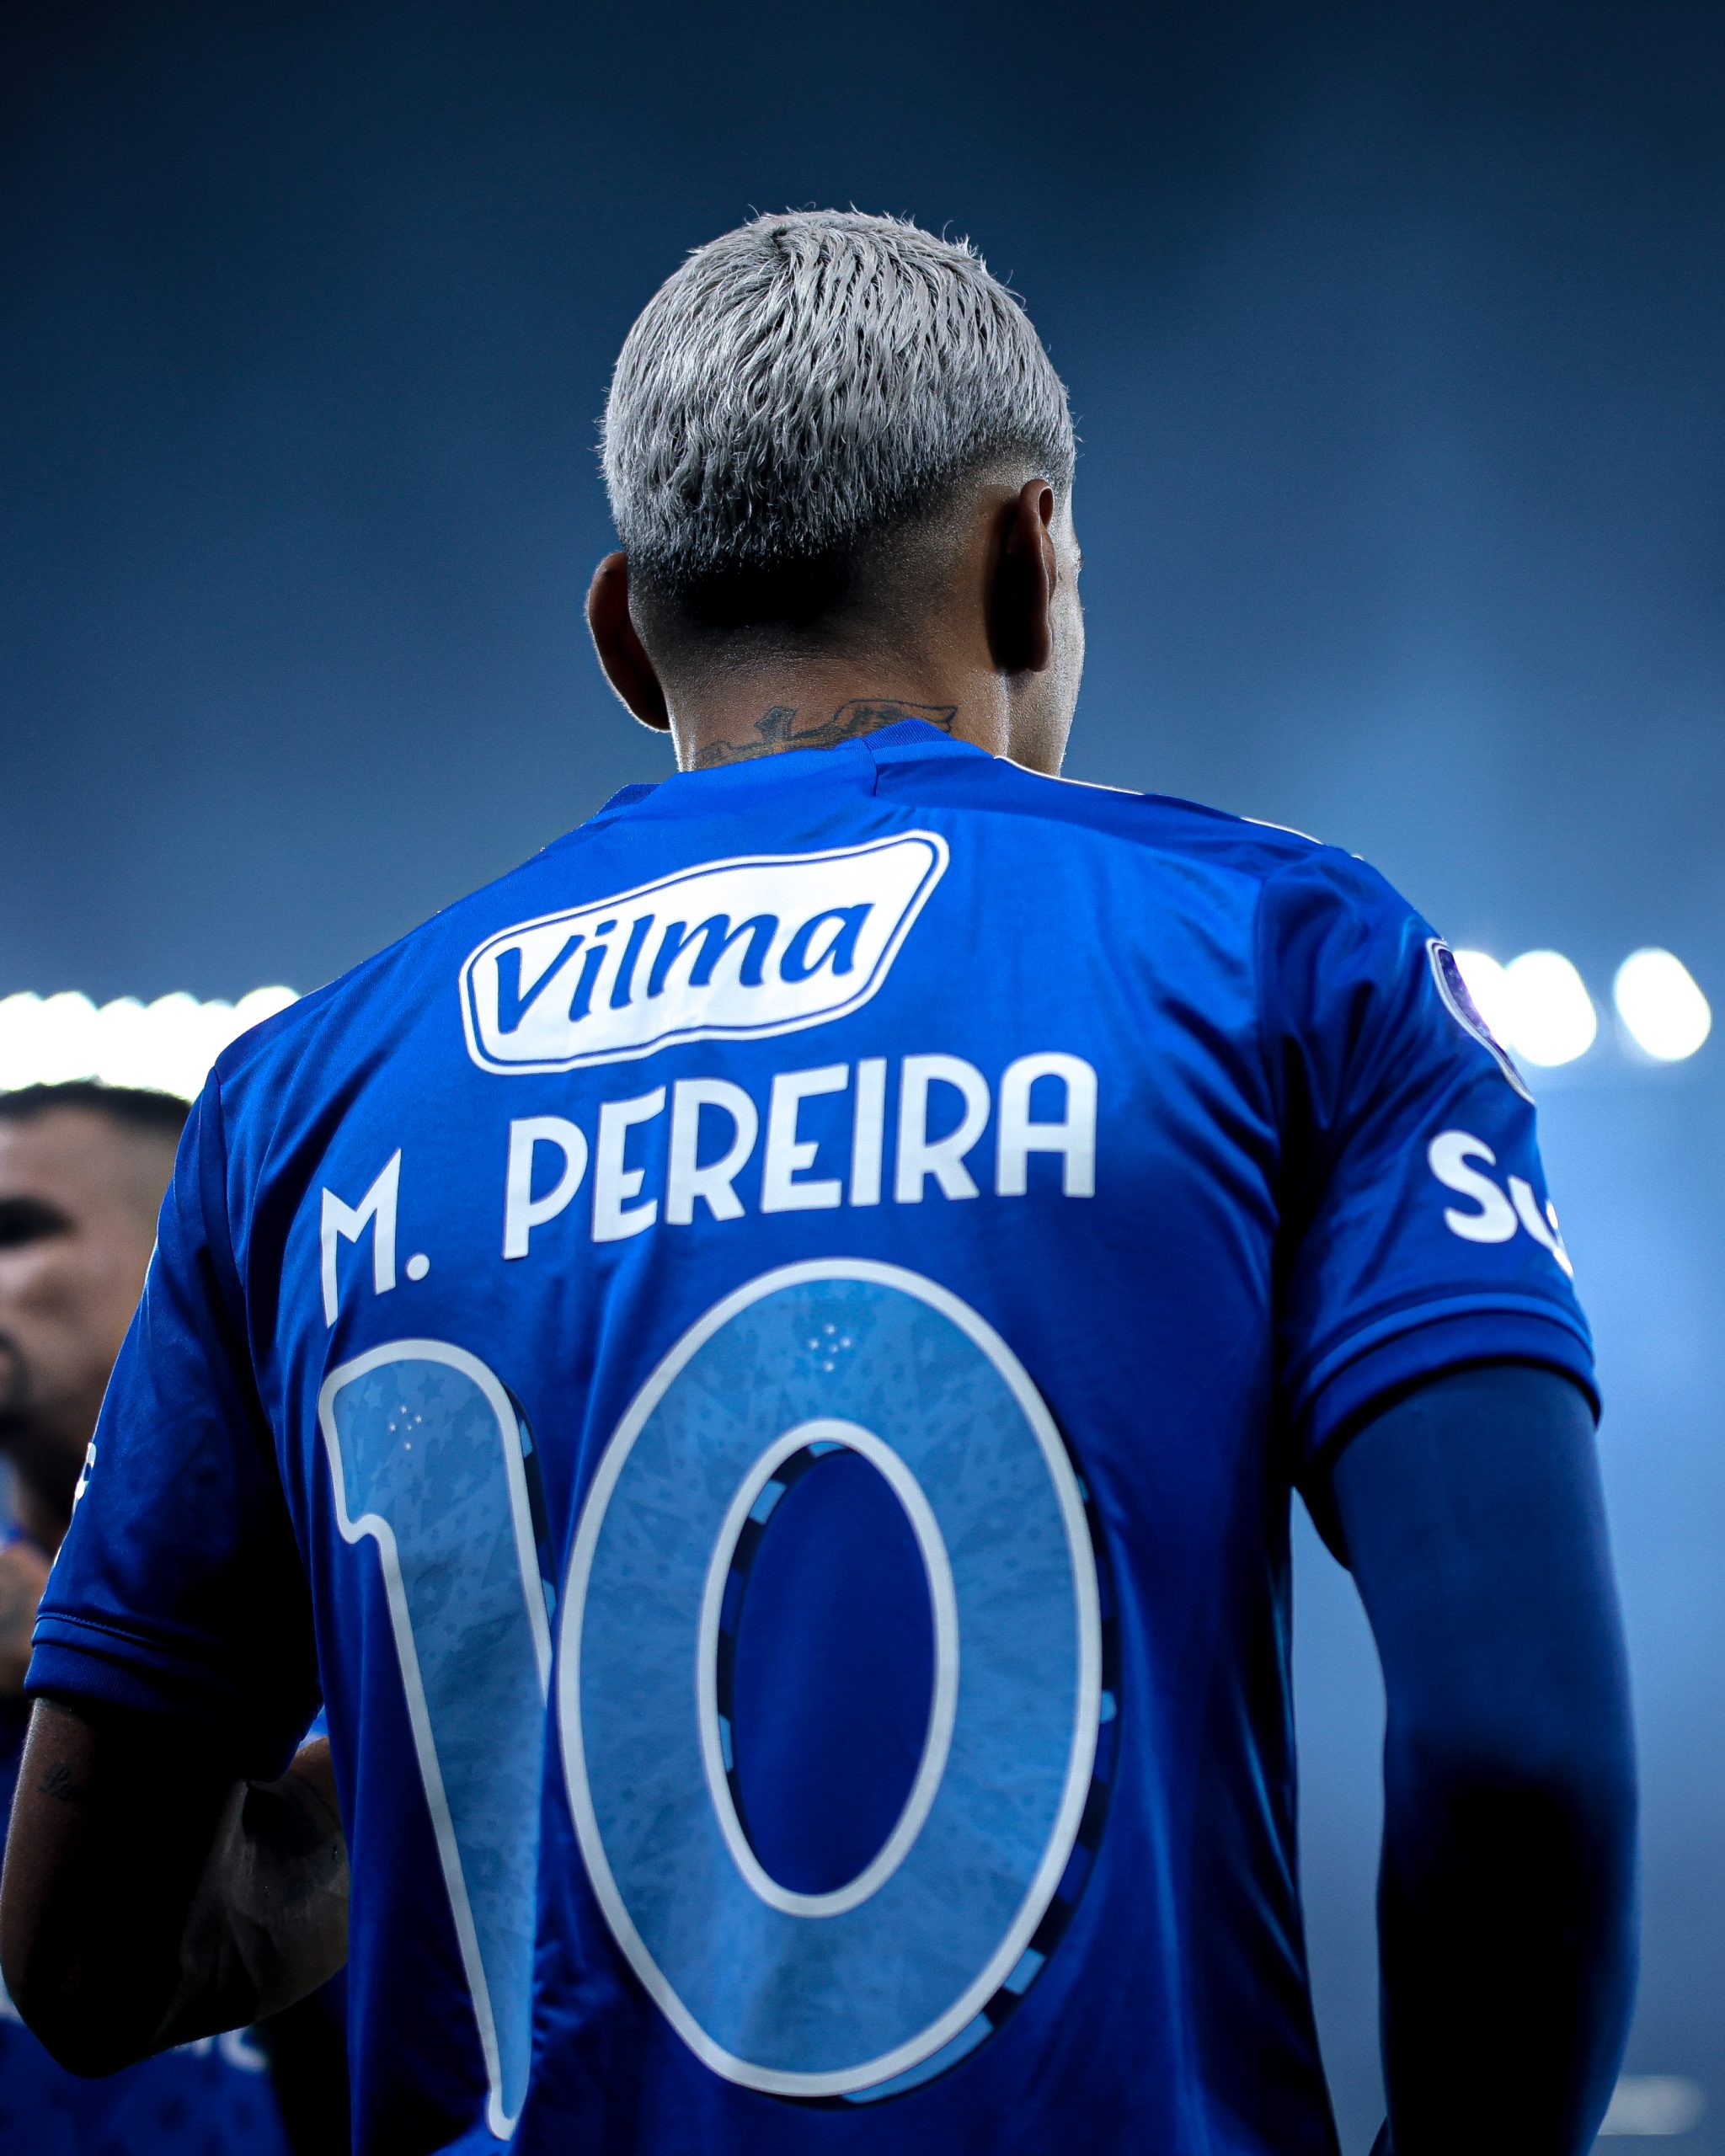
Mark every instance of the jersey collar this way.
pixel 853 764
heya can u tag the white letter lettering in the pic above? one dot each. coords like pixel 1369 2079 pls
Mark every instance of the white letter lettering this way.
pixel 522 1211
pixel 1543 1231
pixel 920 1156
pixel 686 1179
pixel 1073 1137
pixel 1449 1154
pixel 348 1222
pixel 786 1154
pixel 613 1184
pixel 868 1131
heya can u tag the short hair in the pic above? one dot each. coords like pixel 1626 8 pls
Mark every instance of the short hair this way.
pixel 801 386
pixel 133 1109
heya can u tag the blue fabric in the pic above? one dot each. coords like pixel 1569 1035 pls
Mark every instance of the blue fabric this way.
pixel 213 2098
pixel 1064 1168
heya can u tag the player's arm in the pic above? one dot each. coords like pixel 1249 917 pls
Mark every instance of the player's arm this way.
pixel 1473 1522
pixel 150 1897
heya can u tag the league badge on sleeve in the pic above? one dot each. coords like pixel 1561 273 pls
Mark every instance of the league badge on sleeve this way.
pixel 1465 1011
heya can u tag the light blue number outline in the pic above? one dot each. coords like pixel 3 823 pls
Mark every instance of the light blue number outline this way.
pixel 373 1525
pixel 1081 1759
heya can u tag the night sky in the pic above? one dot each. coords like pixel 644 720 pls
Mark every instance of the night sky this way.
pixel 1393 334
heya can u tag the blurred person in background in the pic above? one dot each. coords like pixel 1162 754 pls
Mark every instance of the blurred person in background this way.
pixel 83 1169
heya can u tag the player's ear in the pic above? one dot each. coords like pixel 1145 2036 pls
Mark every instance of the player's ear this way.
pixel 620 651
pixel 1023 575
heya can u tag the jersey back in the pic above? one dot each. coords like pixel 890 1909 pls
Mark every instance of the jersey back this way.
pixel 759 1363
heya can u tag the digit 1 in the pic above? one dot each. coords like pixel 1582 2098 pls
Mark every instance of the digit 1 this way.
pixel 425 1454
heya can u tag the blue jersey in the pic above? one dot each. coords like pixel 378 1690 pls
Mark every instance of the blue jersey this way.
pixel 759 1362
pixel 211 2098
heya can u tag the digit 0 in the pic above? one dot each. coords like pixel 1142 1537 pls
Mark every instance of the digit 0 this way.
pixel 856 1994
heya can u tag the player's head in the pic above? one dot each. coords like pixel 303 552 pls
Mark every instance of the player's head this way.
pixel 82 1168
pixel 824 433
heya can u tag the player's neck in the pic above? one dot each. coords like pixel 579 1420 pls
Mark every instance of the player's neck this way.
pixel 737 721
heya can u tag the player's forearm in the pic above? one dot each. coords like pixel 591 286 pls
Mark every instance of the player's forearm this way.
pixel 1474 1522
pixel 1507 1943
pixel 99 1870
pixel 268 1922
pixel 149 1898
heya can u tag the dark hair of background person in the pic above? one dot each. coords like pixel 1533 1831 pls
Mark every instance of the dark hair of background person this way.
pixel 133 1109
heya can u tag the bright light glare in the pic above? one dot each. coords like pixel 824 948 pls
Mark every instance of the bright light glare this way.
pixel 1550 1017
pixel 1486 982
pixel 1658 1000
pixel 1655 2105
pixel 168 1045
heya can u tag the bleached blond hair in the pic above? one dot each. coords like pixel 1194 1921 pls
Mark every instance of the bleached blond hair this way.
pixel 810 382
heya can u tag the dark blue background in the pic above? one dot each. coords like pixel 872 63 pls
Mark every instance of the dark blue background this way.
pixel 1393 335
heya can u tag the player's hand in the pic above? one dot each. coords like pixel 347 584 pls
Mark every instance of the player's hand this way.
pixel 23 1573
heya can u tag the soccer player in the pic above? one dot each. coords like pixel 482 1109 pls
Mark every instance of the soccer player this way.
pixel 762 1360
pixel 82 1169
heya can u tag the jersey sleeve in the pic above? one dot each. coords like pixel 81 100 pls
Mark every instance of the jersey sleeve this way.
pixel 178 1590
pixel 1417 1232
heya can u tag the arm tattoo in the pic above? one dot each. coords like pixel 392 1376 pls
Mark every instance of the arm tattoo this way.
pixel 63 1785
pixel 777 728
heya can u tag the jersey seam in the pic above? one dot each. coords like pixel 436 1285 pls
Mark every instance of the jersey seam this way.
pixel 233 1289
pixel 1144 844
pixel 164 1659
pixel 1260 972
pixel 234 1309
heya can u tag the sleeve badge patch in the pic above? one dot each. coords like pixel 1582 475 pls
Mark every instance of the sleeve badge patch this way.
pixel 1465 1011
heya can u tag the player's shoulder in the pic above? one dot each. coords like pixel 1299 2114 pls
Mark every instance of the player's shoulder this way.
pixel 1292 893
pixel 1162 824
pixel 380 990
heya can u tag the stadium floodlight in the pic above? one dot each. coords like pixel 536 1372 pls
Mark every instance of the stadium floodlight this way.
pixel 168 1045
pixel 1654 2105
pixel 1488 984
pixel 1549 1015
pixel 258 1004
pixel 45 1040
pixel 1665 1013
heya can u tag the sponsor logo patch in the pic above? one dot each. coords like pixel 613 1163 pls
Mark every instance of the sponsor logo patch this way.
pixel 1465 1011
pixel 729 950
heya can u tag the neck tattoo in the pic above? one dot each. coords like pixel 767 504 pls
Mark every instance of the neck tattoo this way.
pixel 777 728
